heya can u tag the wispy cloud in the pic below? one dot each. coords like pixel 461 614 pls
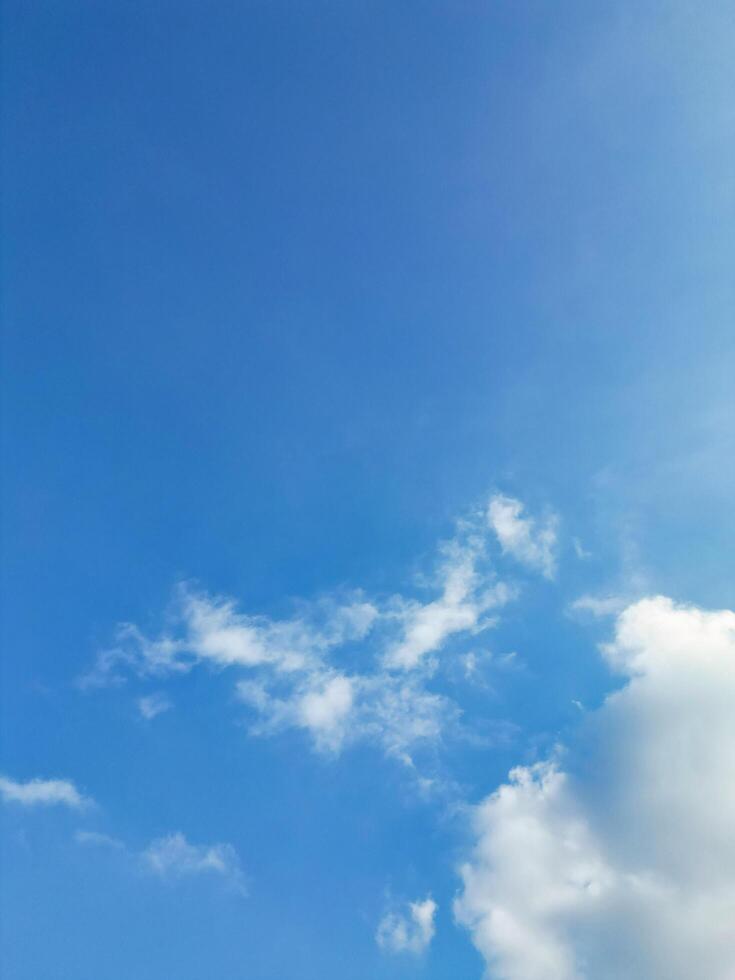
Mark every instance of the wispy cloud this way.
pixel 531 542
pixel 396 713
pixel 92 838
pixel 345 668
pixel 211 630
pixel 43 792
pixel 599 605
pixel 580 551
pixel 466 595
pixel 409 930
pixel 152 705
pixel 174 857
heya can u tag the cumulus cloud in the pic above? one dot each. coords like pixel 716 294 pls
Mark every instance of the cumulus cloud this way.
pixel 152 705
pixel 43 792
pixel 174 857
pixel 410 930
pixel 530 542
pixel 621 862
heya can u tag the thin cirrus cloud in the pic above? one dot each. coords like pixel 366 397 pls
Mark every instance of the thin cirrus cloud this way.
pixel 150 706
pixel 173 857
pixel 622 862
pixel 93 838
pixel 598 605
pixel 43 792
pixel 297 673
pixel 531 542
pixel 409 930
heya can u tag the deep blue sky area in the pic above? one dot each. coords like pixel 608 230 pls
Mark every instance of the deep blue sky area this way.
pixel 288 287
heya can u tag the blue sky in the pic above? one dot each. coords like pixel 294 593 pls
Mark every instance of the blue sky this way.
pixel 346 348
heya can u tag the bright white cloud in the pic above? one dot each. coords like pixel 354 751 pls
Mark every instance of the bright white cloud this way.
pixel 624 864
pixel 42 792
pixel 530 542
pixel 174 857
pixel 152 705
pixel 408 931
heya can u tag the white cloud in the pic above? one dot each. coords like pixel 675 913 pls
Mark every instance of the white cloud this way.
pixel 604 605
pixel 324 710
pixel 342 669
pixel 174 857
pixel 466 596
pixel 396 713
pixel 152 705
pixel 624 864
pixel 531 543
pixel 42 792
pixel 389 706
pixel 211 630
pixel 402 715
pixel 410 931
pixel 320 703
